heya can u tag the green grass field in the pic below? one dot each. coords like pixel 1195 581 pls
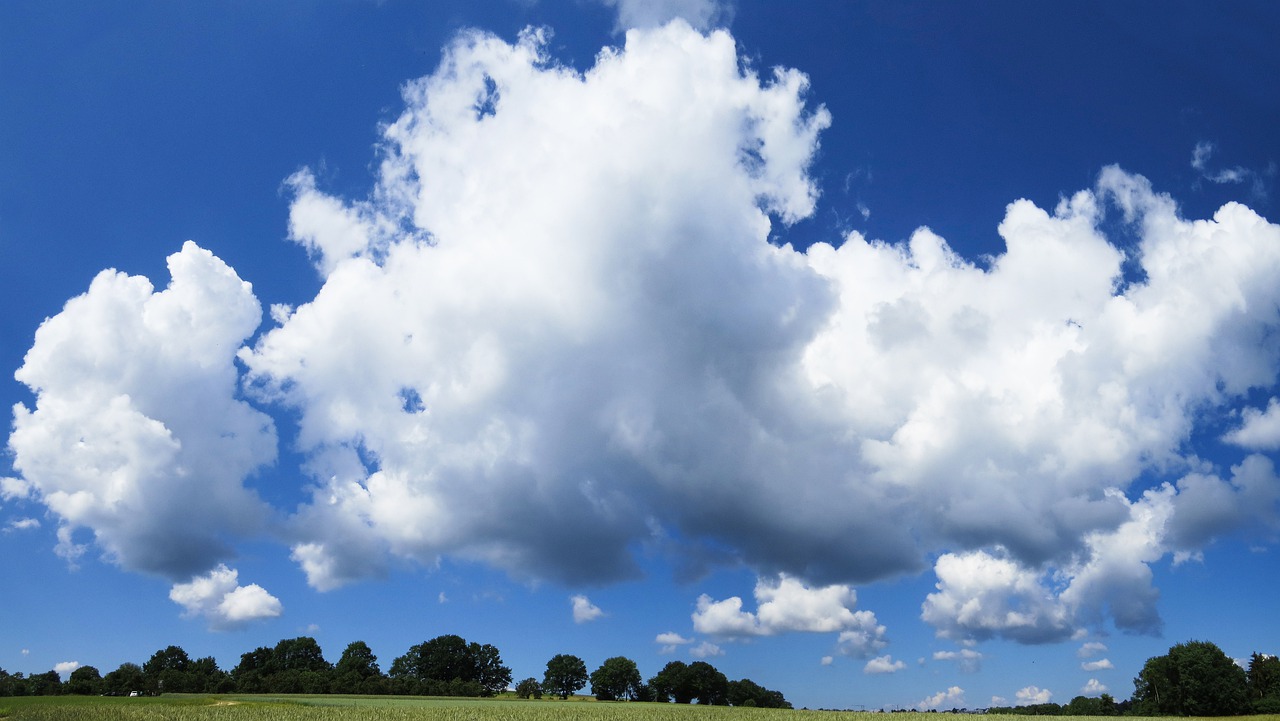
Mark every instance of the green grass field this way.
pixel 380 708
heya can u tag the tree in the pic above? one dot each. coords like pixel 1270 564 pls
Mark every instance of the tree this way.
pixel 565 675
pixel 448 665
pixel 1083 706
pixel 749 693
pixel 710 686
pixel 357 669
pixel 124 680
pixel 299 654
pixel 252 672
pixel 617 678
pixel 529 687
pixel 48 683
pixel 1264 683
pixel 166 671
pixel 685 683
pixel 1194 679
pixel 670 683
pixel 491 674
pixel 85 681
pixel 358 658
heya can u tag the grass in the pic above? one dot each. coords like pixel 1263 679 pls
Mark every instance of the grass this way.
pixel 401 708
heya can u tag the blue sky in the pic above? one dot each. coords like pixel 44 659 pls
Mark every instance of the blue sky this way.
pixel 889 354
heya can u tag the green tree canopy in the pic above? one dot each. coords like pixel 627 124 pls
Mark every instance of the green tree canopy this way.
pixel 1264 683
pixel 1194 679
pixel 298 654
pixel 124 680
pixel 617 678
pixel 749 693
pixel 448 664
pixel 529 687
pixel 358 658
pixel 685 683
pixel 85 681
pixel 566 675
pixel 167 671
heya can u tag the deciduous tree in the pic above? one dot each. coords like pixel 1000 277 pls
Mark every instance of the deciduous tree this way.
pixel 617 678
pixel 1194 679
pixel 566 675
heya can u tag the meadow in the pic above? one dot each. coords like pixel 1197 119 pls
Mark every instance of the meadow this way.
pixel 380 708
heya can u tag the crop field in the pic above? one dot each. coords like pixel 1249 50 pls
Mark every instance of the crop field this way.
pixel 379 708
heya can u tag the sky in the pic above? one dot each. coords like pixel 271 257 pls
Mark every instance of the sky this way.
pixel 889 354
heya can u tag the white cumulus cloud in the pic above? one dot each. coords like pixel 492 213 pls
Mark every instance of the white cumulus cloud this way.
pixel 786 605
pixel 565 320
pixel 883 664
pixel 1033 695
pixel 953 697
pixel 1259 429
pixel 1093 687
pixel 219 598
pixel 64 668
pixel 584 611
pixel 136 415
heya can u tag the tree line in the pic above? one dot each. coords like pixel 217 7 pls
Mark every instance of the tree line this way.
pixel 444 666
pixel 1193 679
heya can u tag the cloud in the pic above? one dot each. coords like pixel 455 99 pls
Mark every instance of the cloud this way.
pixel 64 668
pixel 1200 156
pixel 1091 648
pixel 14 489
pixel 883 664
pixel 565 321
pixel 642 14
pixel 21 524
pixel 671 638
pixel 1259 430
pixel 827 660
pixel 966 659
pixel 1099 665
pixel 706 649
pixel 222 601
pixel 1033 695
pixel 786 605
pixel 670 641
pixel 136 415
pixel 1094 687
pixel 583 610
pixel 981 595
pixel 953 697
pixel 503 320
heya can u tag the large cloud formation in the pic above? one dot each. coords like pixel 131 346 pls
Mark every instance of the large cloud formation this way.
pixel 137 434
pixel 561 326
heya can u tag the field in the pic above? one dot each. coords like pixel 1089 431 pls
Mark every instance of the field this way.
pixel 324 708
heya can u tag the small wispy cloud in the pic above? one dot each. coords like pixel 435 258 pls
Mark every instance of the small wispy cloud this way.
pixel 966 659
pixel 706 649
pixel 21 524
pixel 1091 649
pixel 1101 664
pixel 584 611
